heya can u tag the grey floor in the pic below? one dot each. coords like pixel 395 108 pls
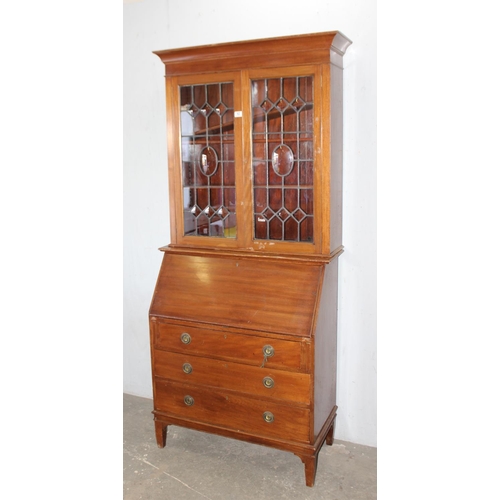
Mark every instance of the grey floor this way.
pixel 195 465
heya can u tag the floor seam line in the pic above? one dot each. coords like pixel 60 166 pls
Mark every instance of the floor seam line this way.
pixel 166 473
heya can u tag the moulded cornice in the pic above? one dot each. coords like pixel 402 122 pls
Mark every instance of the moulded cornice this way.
pixel 314 48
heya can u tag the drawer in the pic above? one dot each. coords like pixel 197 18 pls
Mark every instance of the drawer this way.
pixel 225 345
pixel 266 382
pixel 232 411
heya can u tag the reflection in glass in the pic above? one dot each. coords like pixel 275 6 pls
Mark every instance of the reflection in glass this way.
pixel 208 161
pixel 282 160
pixel 208 177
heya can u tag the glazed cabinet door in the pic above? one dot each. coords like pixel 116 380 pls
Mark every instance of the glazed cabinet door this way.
pixel 206 159
pixel 246 157
pixel 286 160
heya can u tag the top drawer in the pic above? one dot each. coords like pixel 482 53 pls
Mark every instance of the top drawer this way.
pixel 282 354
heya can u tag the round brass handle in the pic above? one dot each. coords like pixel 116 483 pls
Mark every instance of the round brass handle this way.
pixel 188 400
pixel 185 338
pixel 187 368
pixel 268 382
pixel 268 416
pixel 268 351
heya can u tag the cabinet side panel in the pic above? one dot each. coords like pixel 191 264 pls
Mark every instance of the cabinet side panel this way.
pixel 152 335
pixel 325 349
pixel 336 103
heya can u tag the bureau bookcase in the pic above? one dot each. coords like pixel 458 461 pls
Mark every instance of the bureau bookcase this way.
pixel 243 319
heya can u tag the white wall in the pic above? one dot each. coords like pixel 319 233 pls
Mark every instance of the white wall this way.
pixel 162 24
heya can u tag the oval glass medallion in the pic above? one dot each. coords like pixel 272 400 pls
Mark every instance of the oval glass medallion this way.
pixel 208 161
pixel 282 160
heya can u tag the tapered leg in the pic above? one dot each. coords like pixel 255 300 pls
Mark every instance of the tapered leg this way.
pixel 161 434
pixel 310 463
pixel 329 436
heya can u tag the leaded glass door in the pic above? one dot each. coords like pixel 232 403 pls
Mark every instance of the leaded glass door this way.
pixel 245 160
pixel 282 158
pixel 208 167
pixel 209 146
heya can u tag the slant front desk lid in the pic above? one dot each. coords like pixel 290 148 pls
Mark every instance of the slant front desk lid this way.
pixel 271 296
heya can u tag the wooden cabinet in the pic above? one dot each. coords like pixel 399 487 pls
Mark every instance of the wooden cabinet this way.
pixel 244 313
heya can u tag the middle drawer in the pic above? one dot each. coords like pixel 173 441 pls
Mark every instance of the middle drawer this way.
pixel 277 384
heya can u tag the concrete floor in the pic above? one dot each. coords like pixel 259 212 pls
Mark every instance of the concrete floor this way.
pixel 195 465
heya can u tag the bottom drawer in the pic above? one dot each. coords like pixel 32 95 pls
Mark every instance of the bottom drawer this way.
pixel 232 411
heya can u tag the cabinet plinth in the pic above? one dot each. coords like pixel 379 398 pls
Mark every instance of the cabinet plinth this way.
pixel 243 320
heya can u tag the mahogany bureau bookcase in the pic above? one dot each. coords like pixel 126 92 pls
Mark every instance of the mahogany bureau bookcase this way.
pixel 243 319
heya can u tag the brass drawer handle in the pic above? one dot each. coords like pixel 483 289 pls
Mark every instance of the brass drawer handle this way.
pixel 268 382
pixel 268 416
pixel 268 351
pixel 187 368
pixel 186 338
pixel 188 400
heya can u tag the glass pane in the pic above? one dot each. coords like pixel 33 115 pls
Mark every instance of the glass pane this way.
pixel 208 174
pixel 282 158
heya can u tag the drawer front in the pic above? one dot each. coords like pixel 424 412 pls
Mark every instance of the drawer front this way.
pixel 224 345
pixel 216 407
pixel 278 384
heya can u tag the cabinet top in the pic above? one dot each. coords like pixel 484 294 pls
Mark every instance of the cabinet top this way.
pixel 313 48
